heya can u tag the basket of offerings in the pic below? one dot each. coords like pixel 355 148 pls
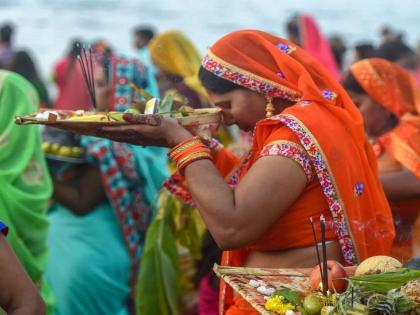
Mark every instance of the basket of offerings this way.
pixel 379 285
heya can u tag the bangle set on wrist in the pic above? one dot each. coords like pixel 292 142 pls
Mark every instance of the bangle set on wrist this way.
pixel 189 151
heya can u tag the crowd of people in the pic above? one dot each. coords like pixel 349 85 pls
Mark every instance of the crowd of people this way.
pixel 132 221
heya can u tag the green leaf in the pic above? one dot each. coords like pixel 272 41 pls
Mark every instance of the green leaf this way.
pixel 158 282
pixel 292 297
pixel 384 282
pixel 166 104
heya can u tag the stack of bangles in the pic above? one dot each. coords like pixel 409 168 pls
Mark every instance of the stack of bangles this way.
pixel 188 151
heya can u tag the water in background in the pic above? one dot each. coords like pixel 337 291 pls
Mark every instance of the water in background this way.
pixel 46 26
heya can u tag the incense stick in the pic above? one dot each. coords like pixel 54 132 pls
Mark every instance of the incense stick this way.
pixel 91 71
pixel 324 256
pixel 316 247
pixel 86 64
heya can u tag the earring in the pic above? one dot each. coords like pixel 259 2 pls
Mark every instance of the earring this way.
pixel 269 108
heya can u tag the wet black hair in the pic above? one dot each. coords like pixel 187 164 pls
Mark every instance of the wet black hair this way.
pixel 146 32
pixel 393 50
pixel 365 50
pixel 215 84
pixel 351 84
pixel 338 48
pixel 23 64
pixel 6 32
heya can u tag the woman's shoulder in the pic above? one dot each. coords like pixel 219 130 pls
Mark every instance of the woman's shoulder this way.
pixel 274 131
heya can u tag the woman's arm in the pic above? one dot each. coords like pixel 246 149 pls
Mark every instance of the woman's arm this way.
pixel 85 195
pixel 400 185
pixel 18 295
pixel 237 217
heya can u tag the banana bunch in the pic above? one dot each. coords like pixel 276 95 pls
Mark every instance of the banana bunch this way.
pixel 66 151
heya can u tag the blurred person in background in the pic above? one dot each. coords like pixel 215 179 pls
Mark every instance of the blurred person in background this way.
pixel 364 51
pixel 6 49
pixel 24 180
pixel 389 100
pixel 67 75
pixel 338 47
pixel 388 34
pixel 400 53
pixel 177 62
pixel 142 37
pixel 23 64
pixel 103 205
pixel 303 30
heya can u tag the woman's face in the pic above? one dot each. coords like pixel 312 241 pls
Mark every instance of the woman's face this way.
pixel 241 106
pixel 375 116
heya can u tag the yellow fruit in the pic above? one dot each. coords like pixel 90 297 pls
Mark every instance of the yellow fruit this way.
pixel 64 151
pixel 76 151
pixel 378 264
pixel 45 146
pixel 54 148
pixel 313 303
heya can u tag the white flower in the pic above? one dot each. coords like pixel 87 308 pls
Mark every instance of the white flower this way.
pixel 254 283
pixel 265 290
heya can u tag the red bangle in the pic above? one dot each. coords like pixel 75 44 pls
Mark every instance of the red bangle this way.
pixel 189 151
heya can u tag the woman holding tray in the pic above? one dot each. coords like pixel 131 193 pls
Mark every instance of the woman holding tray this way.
pixel 388 97
pixel 309 157
pixel 103 207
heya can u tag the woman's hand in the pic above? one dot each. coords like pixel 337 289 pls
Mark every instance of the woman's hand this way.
pixel 146 130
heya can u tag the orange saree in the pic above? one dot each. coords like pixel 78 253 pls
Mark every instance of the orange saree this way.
pixel 323 132
pixel 395 88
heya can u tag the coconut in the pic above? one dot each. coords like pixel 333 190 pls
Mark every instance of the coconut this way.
pixel 378 264
pixel 412 291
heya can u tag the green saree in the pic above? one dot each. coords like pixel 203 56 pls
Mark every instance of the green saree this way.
pixel 24 180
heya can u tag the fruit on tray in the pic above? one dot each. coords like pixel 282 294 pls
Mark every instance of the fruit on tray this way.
pixel 336 277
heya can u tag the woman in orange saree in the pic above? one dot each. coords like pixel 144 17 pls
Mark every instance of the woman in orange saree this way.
pixel 258 208
pixel 389 100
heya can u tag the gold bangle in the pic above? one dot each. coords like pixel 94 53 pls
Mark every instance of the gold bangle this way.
pixel 184 146
pixel 192 156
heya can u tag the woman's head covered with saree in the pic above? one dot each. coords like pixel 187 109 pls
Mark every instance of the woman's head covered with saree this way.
pixel 394 89
pixel 173 53
pixel 328 125
pixel 24 178
pixel 304 31
pixel 114 75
